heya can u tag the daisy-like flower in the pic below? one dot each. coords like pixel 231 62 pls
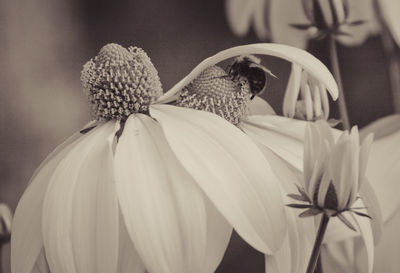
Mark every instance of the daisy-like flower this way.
pixel 210 88
pixel 280 139
pixel 145 187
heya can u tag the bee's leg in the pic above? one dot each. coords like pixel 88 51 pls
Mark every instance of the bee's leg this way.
pixel 252 96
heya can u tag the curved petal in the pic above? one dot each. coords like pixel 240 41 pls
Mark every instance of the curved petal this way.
pixel 279 134
pixel 390 13
pixel 230 169
pixel 240 15
pixel 283 13
pixel 296 249
pixel 295 55
pixel 94 220
pixel 129 260
pixel 26 239
pixel 260 19
pixel 162 206
pixel 292 91
pixel 57 204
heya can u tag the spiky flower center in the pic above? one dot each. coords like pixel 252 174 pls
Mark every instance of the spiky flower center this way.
pixel 120 82
pixel 214 91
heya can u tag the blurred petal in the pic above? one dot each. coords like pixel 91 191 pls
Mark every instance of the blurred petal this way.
pixel 390 14
pixel 359 10
pixel 295 55
pixel 26 239
pixel 292 91
pixel 230 169
pixel 240 15
pixel 382 127
pixel 282 14
pixel 260 19
pixel 58 201
pixel 162 206
pixel 383 171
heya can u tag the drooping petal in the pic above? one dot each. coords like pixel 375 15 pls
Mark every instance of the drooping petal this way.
pixel 162 206
pixel 129 260
pixel 278 134
pixel 26 239
pixel 58 201
pixel 292 91
pixel 230 169
pixel 296 249
pixel 283 13
pixel 94 221
pixel 390 11
pixel 308 62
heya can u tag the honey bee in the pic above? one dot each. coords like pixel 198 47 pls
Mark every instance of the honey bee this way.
pixel 250 68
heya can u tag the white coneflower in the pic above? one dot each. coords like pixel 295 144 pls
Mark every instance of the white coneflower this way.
pixel 145 187
pixel 279 138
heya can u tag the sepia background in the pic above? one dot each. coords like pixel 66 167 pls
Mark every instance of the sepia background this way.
pixel 44 44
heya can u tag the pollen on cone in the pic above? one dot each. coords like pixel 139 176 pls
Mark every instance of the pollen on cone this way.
pixel 120 82
pixel 214 91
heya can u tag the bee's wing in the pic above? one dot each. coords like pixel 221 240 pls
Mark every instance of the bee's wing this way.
pixel 263 68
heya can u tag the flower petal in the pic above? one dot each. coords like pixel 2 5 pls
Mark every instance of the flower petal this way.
pixel 162 206
pixel 292 91
pixel 240 15
pixel 278 134
pixel 26 239
pixel 295 55
pixel 41 265
pixel 58 201
pixel 259 106
pixel 283 13
pixel 94 221
pixel 230 169
pixel 296 249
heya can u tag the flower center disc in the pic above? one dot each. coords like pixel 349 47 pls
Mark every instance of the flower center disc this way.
pixel 120 82
pixel 214 91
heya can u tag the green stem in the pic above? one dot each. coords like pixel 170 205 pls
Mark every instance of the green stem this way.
pixel 336 73
pixel 317 245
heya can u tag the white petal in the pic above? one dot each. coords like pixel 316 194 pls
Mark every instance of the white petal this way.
pixel 230 169
pixel 390 13
pixel 295 55
pixel 292 91
pixel 296 249
pixel 316 97
pixel 41 265
pixel 259 106
pixel 278 134
pixel 57 204
pixel 259 18
pixel 129 260
pixel 162 206
pixel 26 239
pixel 218 235
pixel 94 221
pixel 283 13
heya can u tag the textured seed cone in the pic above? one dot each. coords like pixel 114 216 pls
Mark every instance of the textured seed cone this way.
pixel 214 91
pixel 120 82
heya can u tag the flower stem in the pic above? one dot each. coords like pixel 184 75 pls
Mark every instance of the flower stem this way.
pixel 317 245
pixel 336 73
